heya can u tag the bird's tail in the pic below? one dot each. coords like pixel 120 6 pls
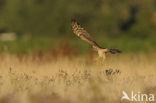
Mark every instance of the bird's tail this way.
pixel 114 51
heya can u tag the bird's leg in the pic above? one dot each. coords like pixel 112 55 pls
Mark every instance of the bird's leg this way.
pixel 98 60
pixel 103 58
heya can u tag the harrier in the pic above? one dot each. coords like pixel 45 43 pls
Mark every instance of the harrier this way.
pixel 84 35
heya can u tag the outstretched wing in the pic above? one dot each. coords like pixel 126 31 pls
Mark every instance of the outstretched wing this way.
pixel 83 34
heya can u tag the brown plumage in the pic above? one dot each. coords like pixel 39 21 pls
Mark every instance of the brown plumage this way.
pixel 84 35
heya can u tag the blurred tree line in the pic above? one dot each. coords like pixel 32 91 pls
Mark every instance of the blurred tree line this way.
pixel 100 17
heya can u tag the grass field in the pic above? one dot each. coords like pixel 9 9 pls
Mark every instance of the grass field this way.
pixel 38 78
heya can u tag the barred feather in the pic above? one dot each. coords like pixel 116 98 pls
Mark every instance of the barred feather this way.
pixel 84 35
pixel 78 30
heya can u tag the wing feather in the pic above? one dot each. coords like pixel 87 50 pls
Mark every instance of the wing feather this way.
pixel 83 34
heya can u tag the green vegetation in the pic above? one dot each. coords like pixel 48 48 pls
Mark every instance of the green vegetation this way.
pixel 125 24
pixel 52 17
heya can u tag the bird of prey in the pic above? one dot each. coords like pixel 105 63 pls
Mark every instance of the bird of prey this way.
pixel 84 35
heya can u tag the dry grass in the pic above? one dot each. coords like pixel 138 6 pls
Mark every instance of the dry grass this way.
pixel 41 78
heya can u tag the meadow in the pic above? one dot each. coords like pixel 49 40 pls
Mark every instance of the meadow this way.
pixel 55 77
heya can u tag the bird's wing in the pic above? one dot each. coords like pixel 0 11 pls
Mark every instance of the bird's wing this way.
pixel 83 34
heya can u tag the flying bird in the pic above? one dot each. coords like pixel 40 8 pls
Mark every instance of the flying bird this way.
pixel 84 35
